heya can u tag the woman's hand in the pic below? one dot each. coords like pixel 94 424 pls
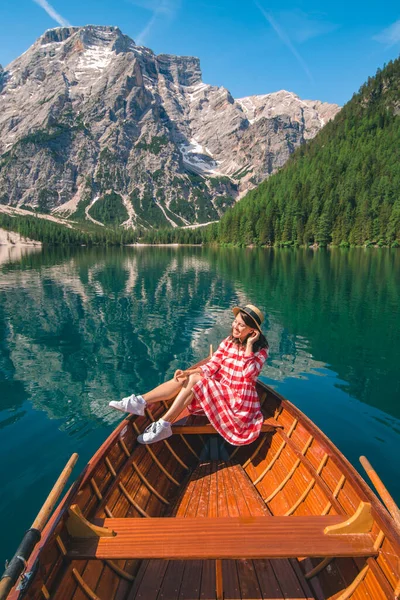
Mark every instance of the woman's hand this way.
pixel 180 375
pixel 253 337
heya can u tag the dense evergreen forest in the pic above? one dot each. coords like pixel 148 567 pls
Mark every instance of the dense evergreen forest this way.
pixel 49 232
pixel 341 188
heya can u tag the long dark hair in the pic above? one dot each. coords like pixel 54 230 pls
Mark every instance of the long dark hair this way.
pixel 262 340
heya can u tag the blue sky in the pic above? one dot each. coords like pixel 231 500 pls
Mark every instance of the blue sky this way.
pixel 320 52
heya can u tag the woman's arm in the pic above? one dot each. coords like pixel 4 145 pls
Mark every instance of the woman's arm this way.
pixel 253 362
pixel 214 364
pixel 208 368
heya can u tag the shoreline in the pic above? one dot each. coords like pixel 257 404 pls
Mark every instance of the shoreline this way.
pixel 12 239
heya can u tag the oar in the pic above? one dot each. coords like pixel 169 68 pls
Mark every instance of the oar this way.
pixel 382 491
pixel 18 563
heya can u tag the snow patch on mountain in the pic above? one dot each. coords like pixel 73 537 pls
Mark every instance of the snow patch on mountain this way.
pixel 94 58
pixel 198 158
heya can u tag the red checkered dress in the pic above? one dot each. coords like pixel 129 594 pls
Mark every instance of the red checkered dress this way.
pixel 227 393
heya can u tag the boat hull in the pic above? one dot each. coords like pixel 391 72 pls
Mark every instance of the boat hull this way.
pixel 293 472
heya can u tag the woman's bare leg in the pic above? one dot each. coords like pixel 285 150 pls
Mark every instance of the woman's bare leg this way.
pixel 183 398
pixel 161 429
pixel 165 391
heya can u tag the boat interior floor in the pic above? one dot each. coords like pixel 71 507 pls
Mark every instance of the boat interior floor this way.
pixel 219 489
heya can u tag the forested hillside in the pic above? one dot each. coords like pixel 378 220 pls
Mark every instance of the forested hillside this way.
pixel 342 187
pixel 48 232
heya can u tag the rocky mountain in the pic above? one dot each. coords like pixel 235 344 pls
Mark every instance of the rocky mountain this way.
pixel 95 127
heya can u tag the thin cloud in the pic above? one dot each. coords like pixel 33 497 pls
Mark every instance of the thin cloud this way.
pixel 389 36
pixel 159 8
pixel 144 34
pixel 53 13
pixel 285 39
pixel 301 26
pixel 167 7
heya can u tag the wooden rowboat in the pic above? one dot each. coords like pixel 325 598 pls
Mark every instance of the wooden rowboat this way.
pixel 192 517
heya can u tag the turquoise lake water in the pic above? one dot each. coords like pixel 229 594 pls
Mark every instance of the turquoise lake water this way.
pixel 80 327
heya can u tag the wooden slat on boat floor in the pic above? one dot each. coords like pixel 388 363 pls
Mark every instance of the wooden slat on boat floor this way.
pixel 219 489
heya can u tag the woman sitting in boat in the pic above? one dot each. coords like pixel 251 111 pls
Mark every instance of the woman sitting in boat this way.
pixel 223 389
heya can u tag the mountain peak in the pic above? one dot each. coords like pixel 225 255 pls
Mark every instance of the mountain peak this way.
pixel 88 35
pixel 60 34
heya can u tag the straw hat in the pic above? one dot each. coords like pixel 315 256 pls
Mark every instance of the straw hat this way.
pixel 254 313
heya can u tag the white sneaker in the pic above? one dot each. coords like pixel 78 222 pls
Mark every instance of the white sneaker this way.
pixel 131 404
pixel 155 432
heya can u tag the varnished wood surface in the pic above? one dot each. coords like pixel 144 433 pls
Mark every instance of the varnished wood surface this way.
pixel 222 537
pixel 220 489
pixel 188 426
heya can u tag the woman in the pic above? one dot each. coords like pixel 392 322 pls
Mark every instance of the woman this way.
pixel 223 389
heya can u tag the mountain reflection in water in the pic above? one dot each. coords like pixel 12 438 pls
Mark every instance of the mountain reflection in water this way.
pixel 80 333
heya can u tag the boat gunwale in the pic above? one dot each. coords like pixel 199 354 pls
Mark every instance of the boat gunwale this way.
pixel 361 486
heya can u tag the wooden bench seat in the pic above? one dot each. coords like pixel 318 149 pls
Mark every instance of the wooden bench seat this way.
pixel 223 538
pixel 193 424
pixel 220 514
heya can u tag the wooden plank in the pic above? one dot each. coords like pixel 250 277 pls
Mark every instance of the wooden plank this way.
pixel 148 581
pixel 222 501
pixel 213 495
pixel 359 487
pixel 69 586
pixel 255 504
pixel 125 586
pixel 374 587
pixel 388 562
pixel 191 581
pixel 231 500
pixel 219 582
pixel 204 493
pixel 383 582
pixel 193 505
pixel 269 585
pixel 236 490
pixel 305 565
pixel 183 501
pixel 278 505
pixel 114 498
pixel 230 538
pixel 85 590
pixel 288 581
pixel 208 584
pixel 172 581
pixel 185 427
pixel 294 563
pixel 108 583
pixel 89 576
pixel 230 580
pixel 313 472
pixel 137 490
pixel 249 587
